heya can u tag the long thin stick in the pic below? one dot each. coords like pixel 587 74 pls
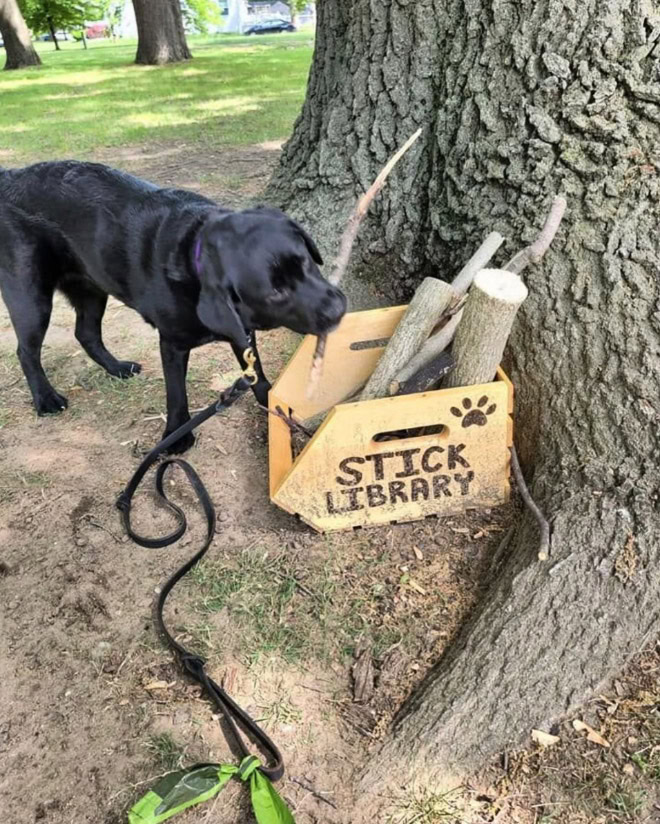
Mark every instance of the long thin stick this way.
pixel 535 252
pixel 544 548
pixel 345 248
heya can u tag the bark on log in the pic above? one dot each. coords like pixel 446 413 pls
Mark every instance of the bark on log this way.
pixel 433 347
pixel 484 330
pixel 429 303
pixel 427 378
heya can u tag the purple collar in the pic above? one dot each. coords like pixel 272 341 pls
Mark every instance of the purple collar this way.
pixel 197 255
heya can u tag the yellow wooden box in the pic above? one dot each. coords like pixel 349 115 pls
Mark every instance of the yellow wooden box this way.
pixel 347 476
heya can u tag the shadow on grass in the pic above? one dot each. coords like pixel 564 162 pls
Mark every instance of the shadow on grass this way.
pixel 226 96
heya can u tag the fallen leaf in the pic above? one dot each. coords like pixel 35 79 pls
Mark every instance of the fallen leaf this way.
pixel 418 553
pixel 156 685
pixel 592 735
pixel 414 585
pixel 479 534
pixel 629 769
pixel 544 739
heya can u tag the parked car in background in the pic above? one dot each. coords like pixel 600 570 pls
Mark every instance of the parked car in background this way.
pixel 61 35
pixel 270 26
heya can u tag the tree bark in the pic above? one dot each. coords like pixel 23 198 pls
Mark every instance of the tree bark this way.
pixel 521 101
pixel 161 38
pixel 16 36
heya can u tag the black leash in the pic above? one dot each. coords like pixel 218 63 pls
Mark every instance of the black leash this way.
pixel 193 664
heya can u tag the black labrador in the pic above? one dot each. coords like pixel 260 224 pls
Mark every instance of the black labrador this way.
pixel 194 270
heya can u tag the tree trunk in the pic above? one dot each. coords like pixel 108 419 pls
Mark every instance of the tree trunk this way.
pixel 161 38
pixel 16 36
pixel 521 101
pixel 51 28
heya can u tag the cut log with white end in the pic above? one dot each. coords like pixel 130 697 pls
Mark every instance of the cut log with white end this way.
pixel 427 307
pixel 492 304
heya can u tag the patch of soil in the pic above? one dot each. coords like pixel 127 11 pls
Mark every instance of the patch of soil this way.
pixel 92 707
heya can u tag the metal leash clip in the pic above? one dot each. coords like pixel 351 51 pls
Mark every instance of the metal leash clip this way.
pixel 249 373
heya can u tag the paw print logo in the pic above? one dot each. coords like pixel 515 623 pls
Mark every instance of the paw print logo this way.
pixel 474 417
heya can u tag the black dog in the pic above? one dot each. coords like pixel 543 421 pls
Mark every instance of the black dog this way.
pixel 195 271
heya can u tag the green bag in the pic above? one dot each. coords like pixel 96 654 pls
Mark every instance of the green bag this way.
pixel 178 791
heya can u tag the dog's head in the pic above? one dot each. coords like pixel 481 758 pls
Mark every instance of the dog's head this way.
pixel 261 267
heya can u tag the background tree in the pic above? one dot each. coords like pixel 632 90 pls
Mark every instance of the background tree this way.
pixel 112 11
pixel 198 15
pixel 16 37
pixel 296 6
pixel 520 101
pixel 161 37
pixel 59 15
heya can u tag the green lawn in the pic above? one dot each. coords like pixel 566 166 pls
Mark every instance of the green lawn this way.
pixel 236 90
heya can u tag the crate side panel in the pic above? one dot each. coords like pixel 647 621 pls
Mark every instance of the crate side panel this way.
pixel 344 369
pixel 348 479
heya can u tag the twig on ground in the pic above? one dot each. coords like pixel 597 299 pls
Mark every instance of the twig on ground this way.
pixel 320 794
pixel 10 384
pixel 535 252
pixel 345 248
pixel 300 586
pixel 501 549
pixel 544 547
pixel 88 518
pixel 292 423
pixel 46 503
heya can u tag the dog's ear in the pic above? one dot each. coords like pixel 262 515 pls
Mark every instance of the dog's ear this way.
pixel 309 243
pixel 216 307
pixel 312 248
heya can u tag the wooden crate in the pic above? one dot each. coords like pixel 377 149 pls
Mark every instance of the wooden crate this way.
pixel 347 476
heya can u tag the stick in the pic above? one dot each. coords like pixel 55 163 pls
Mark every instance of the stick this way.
pixel 479 260
pixel 320 795
pixel 345 248
pixel 544 548
pixel 535 252
pixel 481 337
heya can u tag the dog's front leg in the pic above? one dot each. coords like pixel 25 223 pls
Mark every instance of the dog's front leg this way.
pixel 175 366
pixel 262 386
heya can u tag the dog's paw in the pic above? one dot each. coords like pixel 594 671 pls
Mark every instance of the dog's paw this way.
pixel 51 402
pixel 180 446
pixel 126 369
pixel 261 391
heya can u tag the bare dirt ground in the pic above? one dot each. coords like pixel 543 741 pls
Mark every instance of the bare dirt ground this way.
pixel 92 707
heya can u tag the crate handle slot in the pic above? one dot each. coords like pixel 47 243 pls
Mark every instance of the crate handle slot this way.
pixel 437 429
pixel 378 343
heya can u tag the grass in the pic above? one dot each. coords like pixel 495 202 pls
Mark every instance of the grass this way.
pixel 235 91
pixel 166 752
pixel 425 807
pixel 319 617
